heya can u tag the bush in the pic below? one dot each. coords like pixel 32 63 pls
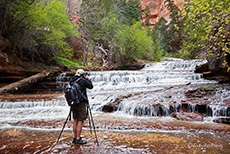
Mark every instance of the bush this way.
pixel 134 42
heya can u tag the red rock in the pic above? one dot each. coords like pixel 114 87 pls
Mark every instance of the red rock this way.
pixel 157 10
pixel 188 116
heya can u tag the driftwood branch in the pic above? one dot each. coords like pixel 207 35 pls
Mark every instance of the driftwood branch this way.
pixel 102 50
pixel 104 54
pixel 27 81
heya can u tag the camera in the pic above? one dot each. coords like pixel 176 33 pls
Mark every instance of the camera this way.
pixel 85 74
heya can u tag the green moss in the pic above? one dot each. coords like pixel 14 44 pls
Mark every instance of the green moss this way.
pixel 78 62
pixel 160 106
pixel 64 61
pixel 137 94
pixel 95 64
pixel 126 96
pixel 129 95
pixel 35 69
pixel 206 90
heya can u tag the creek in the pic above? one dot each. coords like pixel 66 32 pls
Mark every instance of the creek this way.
pixel 132 112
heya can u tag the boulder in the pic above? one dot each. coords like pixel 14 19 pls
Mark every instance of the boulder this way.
pixel 112 106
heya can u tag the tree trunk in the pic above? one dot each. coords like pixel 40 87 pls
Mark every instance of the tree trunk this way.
pixel 27 81
pixel 87 52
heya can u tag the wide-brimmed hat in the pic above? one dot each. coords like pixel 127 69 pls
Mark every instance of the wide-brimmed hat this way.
pixel 80 72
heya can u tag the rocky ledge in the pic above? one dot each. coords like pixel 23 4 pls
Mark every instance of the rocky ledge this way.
pixel 196 104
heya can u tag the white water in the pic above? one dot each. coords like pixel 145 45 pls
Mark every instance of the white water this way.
pixel 154 80
pixel 175 64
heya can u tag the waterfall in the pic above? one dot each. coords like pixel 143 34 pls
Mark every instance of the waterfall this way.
pixel 156 90
pixel 192 107
pixel 152 78
pixel 174 72
pixel 175 64
pixel 33 110
pixel 216 111
pixel 139 109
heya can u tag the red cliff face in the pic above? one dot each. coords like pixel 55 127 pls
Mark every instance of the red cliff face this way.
pixel 157 9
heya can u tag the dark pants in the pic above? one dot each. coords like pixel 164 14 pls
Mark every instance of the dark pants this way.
pixel 80 111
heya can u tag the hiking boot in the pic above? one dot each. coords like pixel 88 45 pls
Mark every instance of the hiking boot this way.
pixel 74 140
pixel 79 141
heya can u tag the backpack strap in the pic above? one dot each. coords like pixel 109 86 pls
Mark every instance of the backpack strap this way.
pixel 78 80
pixel 75 81
pixel 80 92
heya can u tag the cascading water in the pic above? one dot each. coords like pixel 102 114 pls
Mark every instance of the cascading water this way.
pixel 142 102
pixel 13 112
pixel 156 88
pixel 175 64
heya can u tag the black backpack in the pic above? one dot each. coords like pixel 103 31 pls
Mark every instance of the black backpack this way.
pixel 73 93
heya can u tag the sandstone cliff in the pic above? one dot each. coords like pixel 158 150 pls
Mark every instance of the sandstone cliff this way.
pixel 158 9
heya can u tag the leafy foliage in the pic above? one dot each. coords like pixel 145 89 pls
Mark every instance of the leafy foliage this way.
pixel 119 9
pixel 161 35
pixel 175 33
pixel 134 42
pixel 38 28
pixel 201 19
pixel 157 51
pixel 167 36
pixel 101 21
pixel 133 11
pixel 147 16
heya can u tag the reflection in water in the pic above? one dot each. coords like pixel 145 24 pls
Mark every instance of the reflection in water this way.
pixel 37 141
pixel 142 122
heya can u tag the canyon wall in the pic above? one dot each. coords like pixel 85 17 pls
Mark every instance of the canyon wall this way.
pixel 158 9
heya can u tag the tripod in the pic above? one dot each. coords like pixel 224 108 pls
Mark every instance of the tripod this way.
pixel 68 117
pixel 90 118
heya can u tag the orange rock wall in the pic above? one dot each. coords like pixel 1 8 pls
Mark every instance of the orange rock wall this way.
pixel 157 10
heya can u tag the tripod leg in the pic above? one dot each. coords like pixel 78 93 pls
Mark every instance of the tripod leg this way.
pixel 69 115
pixel 93 125
pixel 89 119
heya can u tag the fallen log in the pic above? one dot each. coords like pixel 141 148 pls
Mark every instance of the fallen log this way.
pixel 27 81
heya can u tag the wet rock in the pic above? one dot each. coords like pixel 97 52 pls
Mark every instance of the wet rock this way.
pixel 210 75
pixel 202 68
pixel 200 92
pixel 188 116
pixel 222 120
pixel 207 74
pixel 198 107
pixel 112 106
pixel 129 67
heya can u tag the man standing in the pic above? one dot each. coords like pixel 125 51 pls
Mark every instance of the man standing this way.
pixel 80 110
